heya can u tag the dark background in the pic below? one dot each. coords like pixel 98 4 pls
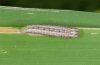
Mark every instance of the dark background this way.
pixel 81 5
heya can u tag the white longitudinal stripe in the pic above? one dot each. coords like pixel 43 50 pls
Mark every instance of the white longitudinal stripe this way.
pixel 9 30
pixel 90 28
pixel 6 27
pixel 94 33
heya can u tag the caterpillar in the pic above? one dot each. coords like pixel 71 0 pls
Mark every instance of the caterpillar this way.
pixel 57 31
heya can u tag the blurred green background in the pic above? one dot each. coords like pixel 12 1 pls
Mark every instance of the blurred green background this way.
pixel 80 5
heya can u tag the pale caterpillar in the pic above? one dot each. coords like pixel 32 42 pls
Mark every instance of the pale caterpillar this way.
pixel 49 30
